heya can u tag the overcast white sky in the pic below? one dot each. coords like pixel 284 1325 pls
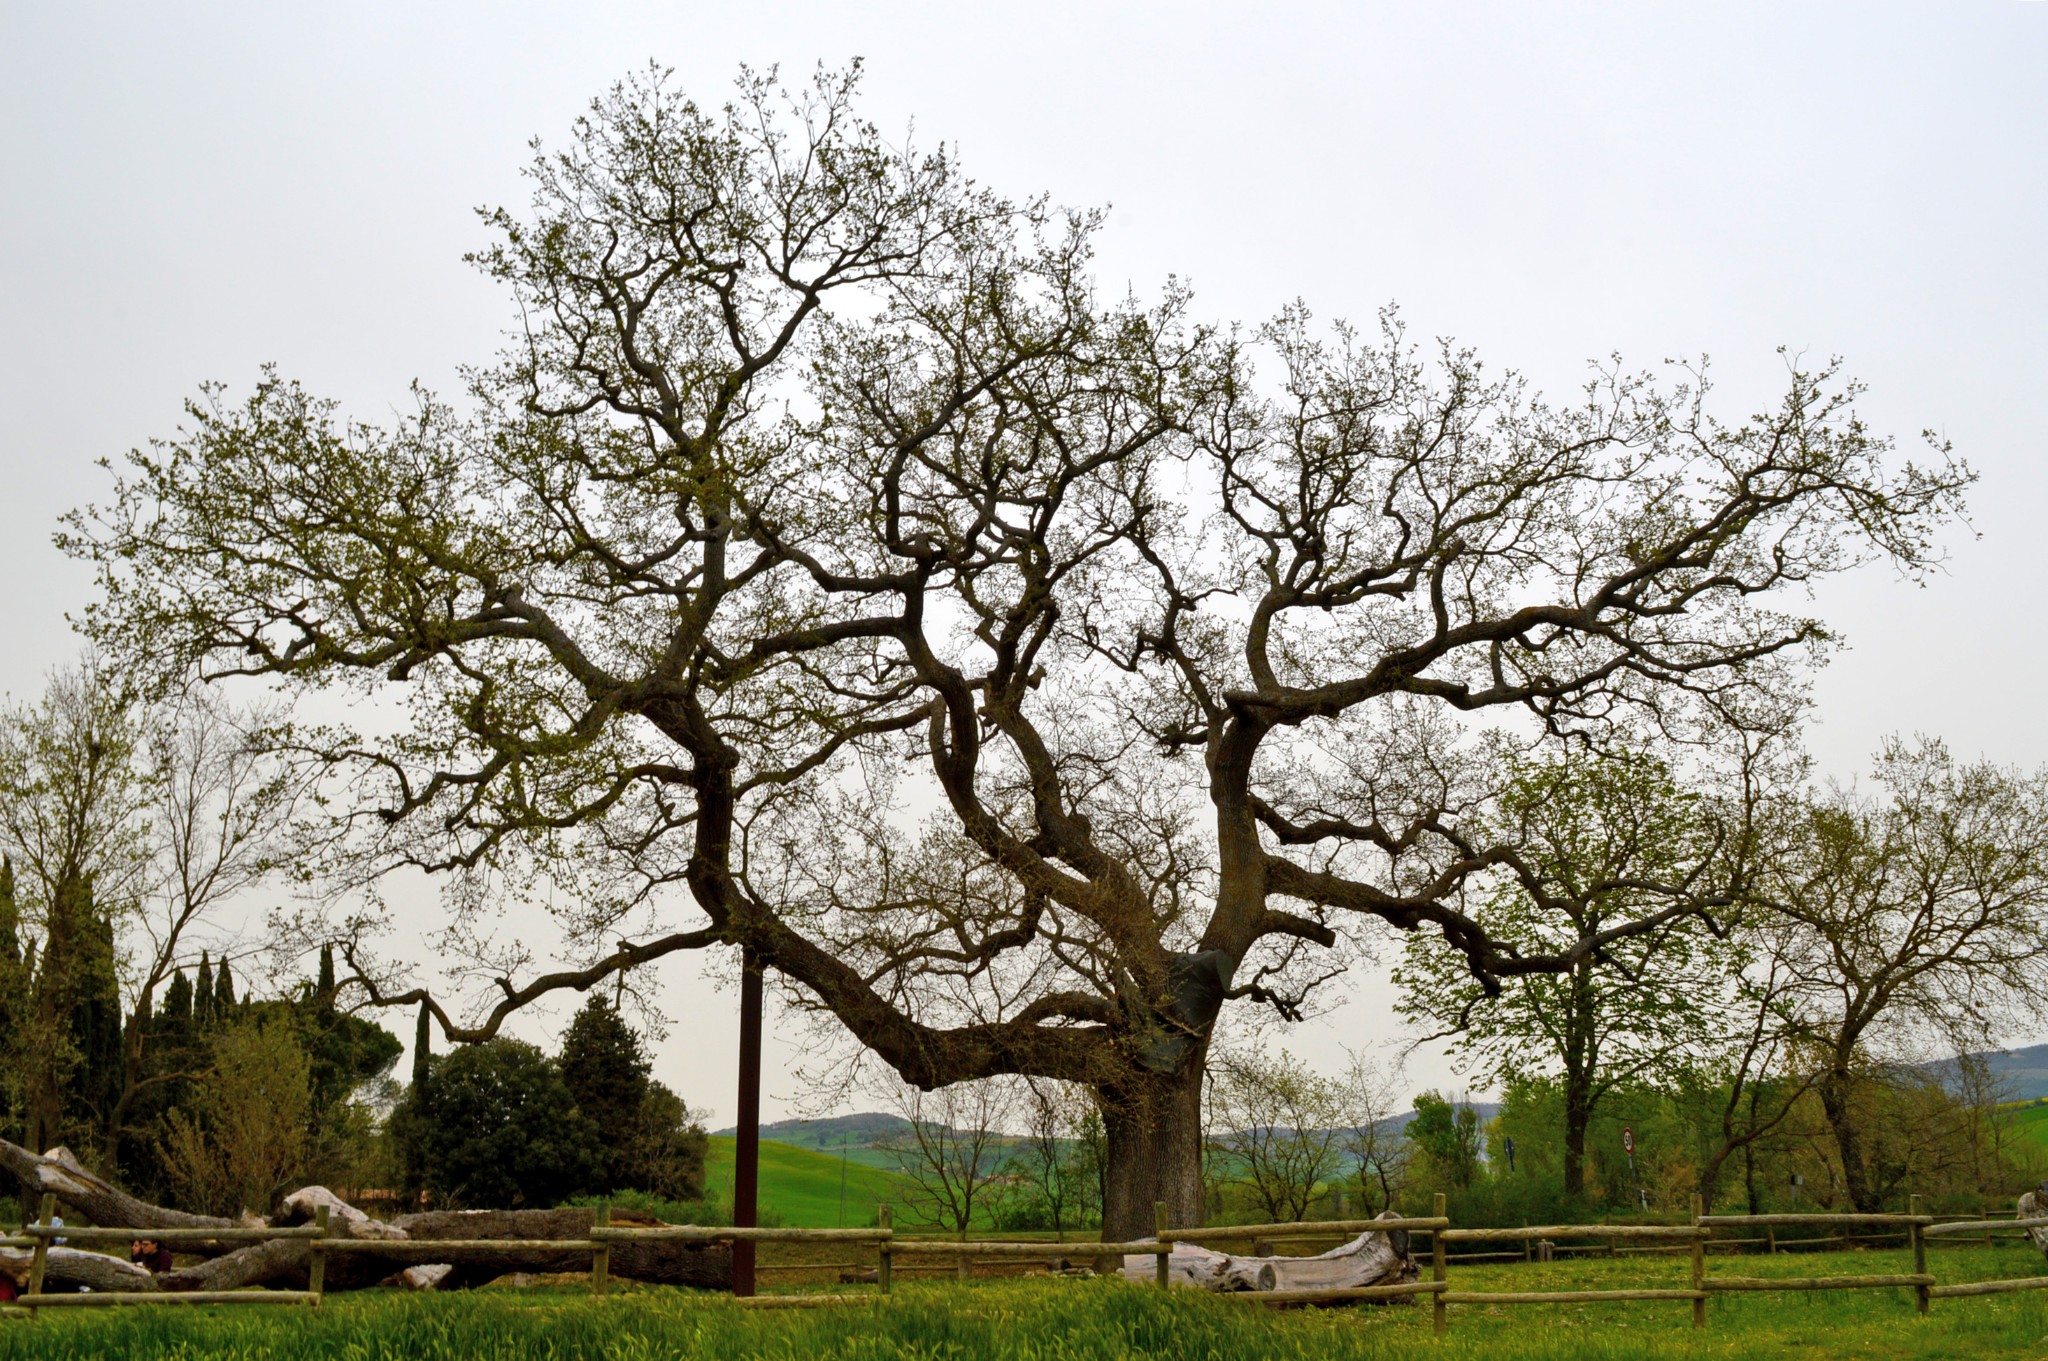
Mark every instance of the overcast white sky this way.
pixel 189 191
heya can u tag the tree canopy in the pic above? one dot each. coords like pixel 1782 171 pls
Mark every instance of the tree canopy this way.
pixel 1594 828
pixel 1020 672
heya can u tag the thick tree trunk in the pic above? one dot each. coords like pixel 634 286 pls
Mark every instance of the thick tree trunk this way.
pixel 1578 1114
pixel 1835 1102
pixel 1578 1081
pixel 1153 1154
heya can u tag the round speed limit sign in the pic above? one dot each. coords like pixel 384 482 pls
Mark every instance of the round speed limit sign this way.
pixel 1628 1140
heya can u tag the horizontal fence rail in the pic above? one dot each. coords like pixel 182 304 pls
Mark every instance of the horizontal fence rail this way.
pixel 1696 1237
pixel 1326 1228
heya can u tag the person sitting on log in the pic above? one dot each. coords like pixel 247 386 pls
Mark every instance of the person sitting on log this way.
pixel 150 1255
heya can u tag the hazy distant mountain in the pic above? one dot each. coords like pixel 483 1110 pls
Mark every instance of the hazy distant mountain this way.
pixel 2018 1074
pixel 838 1134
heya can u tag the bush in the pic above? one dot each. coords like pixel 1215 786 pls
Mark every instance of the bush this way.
pixel 493 1126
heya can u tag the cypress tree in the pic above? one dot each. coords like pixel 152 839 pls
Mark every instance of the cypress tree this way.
pixel 606 1071
pixel 12 987
pixel 10 916
pixel 422 1035
pixel 95 1020
pixel 202 995
pixel 223 992
pixel 323 991
pixel 175 1014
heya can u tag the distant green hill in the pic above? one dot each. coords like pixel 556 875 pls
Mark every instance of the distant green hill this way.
pixel 857 1136
pixel 802 1187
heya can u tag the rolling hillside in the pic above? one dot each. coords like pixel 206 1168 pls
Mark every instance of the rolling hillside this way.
pixel 855 1135
pixel 802 1187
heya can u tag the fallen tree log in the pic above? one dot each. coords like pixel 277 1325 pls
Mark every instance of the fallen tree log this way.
pixel 2032 1205
pixel 284 1263
pixel 663 1261
pixel 1372 1258
pixel 73 1269
pixel 60 1174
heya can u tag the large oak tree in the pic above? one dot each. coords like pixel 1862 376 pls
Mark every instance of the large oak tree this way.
pixel 1021 673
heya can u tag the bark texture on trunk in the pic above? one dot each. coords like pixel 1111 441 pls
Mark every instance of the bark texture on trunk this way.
pixel 1154 1154
pixel 1834 1102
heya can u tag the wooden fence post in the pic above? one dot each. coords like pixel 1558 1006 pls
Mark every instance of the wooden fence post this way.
pixel 40 1263
pixel 1771 1237
pixel 316 1266
pixel 1436 1269
pixel 1159 1231
pixel 882 1263
pixel 601 1258
pixel 1919 1254
pixel 1699 1264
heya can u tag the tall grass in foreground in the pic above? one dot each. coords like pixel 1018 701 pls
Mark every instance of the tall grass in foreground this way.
pixel 1035 1320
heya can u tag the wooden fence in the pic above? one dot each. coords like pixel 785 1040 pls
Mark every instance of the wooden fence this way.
pixel 1916 1229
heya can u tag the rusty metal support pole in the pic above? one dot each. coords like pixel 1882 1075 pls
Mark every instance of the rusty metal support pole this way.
pixel 746 1160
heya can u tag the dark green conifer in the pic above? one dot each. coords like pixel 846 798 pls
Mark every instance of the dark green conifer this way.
pixel 202 994
pixel 10 915
pixel 223 991
pixel 422 1036
pixel 176 1011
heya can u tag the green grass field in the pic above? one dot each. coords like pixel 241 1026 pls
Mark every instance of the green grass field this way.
pixel 800 1188
pixel 1099 1320
pixel 2030 1124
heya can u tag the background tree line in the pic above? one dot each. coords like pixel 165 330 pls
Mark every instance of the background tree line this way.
pixel 126 826
pixel 1819 1052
